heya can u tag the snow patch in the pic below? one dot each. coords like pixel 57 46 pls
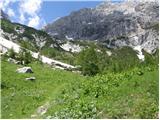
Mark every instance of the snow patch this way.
pixel 9 45
pixel 40 41
pixel 20 30
pixel 109 53
pixel 139 51
pixel 71 47
pixel 4 43
pixel 11 36
pixel 98 50
pixel 89 23
pixel 68 38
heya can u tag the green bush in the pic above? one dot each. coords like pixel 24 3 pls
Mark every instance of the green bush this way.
pixel 11 53
pixel 25 56
pixel 88 60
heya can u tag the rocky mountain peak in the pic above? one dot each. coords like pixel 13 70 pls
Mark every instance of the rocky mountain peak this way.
pixel 129 23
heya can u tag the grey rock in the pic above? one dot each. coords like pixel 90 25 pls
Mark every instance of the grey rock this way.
pixel 30 78
pixel 11 60
pixel 24 70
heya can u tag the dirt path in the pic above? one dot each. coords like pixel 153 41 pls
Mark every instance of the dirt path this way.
pixel 41 110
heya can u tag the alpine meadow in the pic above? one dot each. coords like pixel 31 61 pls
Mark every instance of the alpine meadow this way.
pixel 79 59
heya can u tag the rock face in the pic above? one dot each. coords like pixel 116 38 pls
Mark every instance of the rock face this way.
pixel 71 47
pixel 25 70
pixel 113 24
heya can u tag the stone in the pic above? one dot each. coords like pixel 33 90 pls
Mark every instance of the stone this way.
pixel 30 78
pixel 24 70
pixel 11 60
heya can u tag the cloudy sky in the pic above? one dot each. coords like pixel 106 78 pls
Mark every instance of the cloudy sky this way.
pixel 37 13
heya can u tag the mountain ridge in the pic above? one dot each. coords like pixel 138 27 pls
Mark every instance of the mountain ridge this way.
pixel 113 24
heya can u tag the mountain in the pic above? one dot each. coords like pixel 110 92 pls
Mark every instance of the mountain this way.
pixel 37 41
pixel 112 24
pixel 18 33
pixel 3 15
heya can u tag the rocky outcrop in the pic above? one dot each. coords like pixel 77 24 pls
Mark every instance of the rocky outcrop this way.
pixel 70 47
pixel 113 24
pixel 24 70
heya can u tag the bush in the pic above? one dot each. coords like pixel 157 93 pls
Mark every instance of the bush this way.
pixel 25 56
pixel 88 60
pixel 11 53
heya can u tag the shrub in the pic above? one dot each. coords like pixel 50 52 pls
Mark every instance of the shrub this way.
pixel 11 53
pixel 88 60
pixel 25 56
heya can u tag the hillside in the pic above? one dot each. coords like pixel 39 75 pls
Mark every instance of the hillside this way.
pixel 61 94
pixel 30 95
pixel 35 40
pixel 97 63
pixel 60 50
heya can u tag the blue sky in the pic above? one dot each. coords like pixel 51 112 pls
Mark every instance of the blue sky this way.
pixel 37 13
pixel 53 10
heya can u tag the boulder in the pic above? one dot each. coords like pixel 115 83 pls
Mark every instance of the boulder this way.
pixel 30 78
pixel 24 70
pixel 11 60
pixel 17 62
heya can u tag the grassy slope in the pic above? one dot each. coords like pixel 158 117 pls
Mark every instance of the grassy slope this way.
pixel 123 95
pixel 20 98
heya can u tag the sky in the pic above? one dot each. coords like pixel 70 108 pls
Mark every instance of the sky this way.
pixel 38 13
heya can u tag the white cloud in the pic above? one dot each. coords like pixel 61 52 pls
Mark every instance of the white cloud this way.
pixel 29 13
pixel 10 12
pixel 22 18
pixel 5 3
pixel 34 21
pixel 30 7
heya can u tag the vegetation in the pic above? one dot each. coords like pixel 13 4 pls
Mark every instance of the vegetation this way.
pixel 122 59
pixel 28 45
pixel 129 94
pixel 11 53
pixel 88 60
pixel 122 95
pixel 21 98
pixel 113 86
pixel 24 56
pixel 31 44
pixel 7 26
